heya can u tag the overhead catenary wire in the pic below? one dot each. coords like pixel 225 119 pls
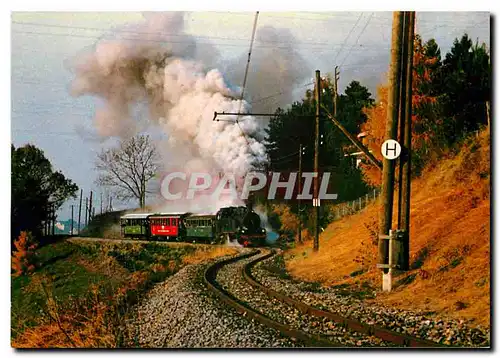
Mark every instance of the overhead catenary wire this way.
pixel 332 15
pixel 315 46
pixel 347 37
pixel 357 39
pixel 160 33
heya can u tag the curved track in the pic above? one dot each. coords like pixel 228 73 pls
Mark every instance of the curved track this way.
pixel 353 325
pixel 210 278
pixel 311 340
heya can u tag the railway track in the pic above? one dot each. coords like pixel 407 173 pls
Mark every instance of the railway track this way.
pixel 210 278
pixel 313 317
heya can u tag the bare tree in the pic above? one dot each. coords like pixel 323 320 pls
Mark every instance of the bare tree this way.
pixel 128 168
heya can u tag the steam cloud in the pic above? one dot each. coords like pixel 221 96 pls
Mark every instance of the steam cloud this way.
pixel 156 66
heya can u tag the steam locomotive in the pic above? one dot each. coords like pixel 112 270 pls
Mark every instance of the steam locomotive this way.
pixel 231 224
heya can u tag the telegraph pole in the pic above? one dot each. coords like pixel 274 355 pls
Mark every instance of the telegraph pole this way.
pixel 53 210
pixel 391 133
pixel 402 112
pixel 90 206
pixel 72 219
pixel 101 202
pixel 80 211
pixel 335 90
pixel 487 104
pixel 317 94
pixel 300 191
pixel 86 210
pixel 406 177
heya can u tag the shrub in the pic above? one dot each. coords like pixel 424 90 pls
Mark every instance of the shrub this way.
pixel 22 257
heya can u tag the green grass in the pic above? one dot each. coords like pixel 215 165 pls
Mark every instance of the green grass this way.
pixel 73 268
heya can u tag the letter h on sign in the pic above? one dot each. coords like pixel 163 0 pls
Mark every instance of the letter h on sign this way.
pixel 391 149
pixel 387 149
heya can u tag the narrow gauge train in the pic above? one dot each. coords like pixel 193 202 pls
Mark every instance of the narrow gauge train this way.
pixel 228 224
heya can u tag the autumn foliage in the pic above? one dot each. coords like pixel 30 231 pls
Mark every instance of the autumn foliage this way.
pixel 426 121
pixel 289 221
pixel 375 126
pixel 449 249
pixel 22 258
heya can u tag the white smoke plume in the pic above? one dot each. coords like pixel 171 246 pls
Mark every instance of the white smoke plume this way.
pixel 155 65
pixel 277 70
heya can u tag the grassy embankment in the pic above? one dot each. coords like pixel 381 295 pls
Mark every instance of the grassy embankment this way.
pixel 449 247
pixel 81 292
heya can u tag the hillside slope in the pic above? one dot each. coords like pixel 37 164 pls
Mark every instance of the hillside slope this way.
pixel 449 245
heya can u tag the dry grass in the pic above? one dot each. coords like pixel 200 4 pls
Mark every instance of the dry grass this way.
pixel 207 253
pixel 86 325
pixel 449 248
pixel 82 291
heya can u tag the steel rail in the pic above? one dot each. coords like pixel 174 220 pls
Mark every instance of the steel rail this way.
pixel 210 279
pixel 354 325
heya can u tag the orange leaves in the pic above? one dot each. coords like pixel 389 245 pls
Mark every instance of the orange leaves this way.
pixel 289 221
pixel 22 258
pixel 425 118
pixel 375 126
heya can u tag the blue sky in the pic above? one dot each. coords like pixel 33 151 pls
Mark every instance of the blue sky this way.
pixel 43 44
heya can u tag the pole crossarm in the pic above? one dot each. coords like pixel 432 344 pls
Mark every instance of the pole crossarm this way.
pixel 354 140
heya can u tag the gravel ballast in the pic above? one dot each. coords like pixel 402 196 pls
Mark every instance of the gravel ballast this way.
pixel 438 329
pixel 181 313
pixel 231 279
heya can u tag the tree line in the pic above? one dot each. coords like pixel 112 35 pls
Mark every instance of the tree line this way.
pixel 36 190
pixel 450 99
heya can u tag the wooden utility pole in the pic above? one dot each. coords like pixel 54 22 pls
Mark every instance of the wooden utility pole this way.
pixel 72 219
pixel 299 192
pixel 53 210
pixel 335 90
pixel 317 94
pixel 402 112
pixel 488 113
pixel 80 211
pixel 101 202
pixel 110 203
pixel 90 206
pixel 391 133
pixel 406 172
pixel 86 209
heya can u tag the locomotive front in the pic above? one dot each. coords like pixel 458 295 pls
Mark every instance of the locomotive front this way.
pixel 240 224
pixel 250 232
